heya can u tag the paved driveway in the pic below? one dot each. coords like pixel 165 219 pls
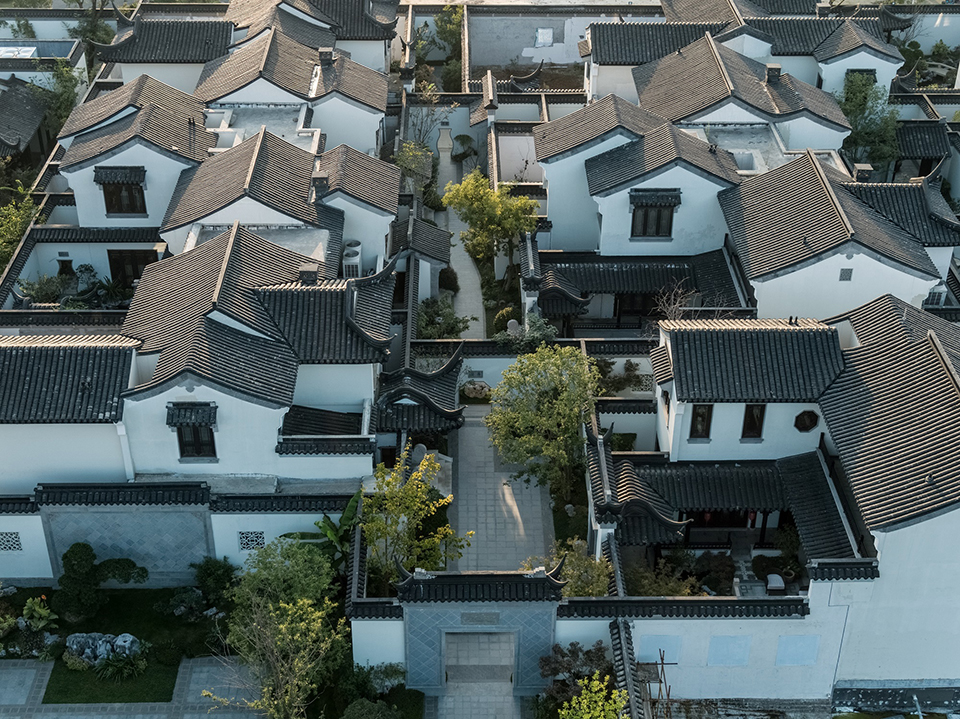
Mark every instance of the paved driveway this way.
pixel 512 520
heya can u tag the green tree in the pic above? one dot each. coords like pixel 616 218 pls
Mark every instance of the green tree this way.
pixel 80 594
pixel 90 29
pixel 15 218
pixel 873 137
pixel 416 163
pixel 584 575
pixel 496 218
pixel 537 413
pixel 59 91
pixel 595 701
pixel 366 709
pixel 665 580
pixel 449 22
pixel 291 648
pixel 532 333
pixel 339 533
pixel 399 521
pixel 21 28
pixel 436 320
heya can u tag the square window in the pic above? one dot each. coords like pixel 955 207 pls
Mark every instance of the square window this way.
pixel 124 199
pixel 196 441
pixel 729 651
pixel 700 424
pixel 652 222
pixel 846 274
pixel 797 650
pixel 753 421
pixel 251 540
pixel 10 542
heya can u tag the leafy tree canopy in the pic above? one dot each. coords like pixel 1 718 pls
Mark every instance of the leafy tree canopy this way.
pixel 584 575
pixel 873 138
pixel 595 701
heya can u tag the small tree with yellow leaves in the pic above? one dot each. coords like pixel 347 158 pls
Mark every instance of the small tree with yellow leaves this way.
pixel 595 701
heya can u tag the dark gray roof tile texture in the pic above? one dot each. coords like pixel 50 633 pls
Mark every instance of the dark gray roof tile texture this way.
pixel 803 210
pixel 78 379
pixel 922 140
pixel 365 178
pixel 170 41
pixel 917 207
pixel 163 493
pixel 425 238
pixel 903 375
pixel 262 16
pixel 301 420
pixel 312 503
pixel 656 150
pixel 142 91
pixel 699 11
pixel 152 124
pixel 24 109
pixel 636 43
pixel 705 74
pixel 608 115
pixel 753 360
pixel 349 19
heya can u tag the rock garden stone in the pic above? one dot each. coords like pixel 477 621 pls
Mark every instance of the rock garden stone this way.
pixel 94 646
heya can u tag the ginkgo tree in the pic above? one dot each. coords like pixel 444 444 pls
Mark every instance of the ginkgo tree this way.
pixel 595 701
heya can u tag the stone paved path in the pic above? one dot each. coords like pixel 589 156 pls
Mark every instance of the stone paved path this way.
pixel 23 682
pixel 468 302
pixel 511 519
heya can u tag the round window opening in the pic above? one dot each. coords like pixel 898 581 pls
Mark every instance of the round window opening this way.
pixel 806 421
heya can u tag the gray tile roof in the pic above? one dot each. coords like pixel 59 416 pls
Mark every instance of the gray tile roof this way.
pixel 311 503
pixel 262 16
pixel 917 207
pixel 894 412
pixel 752 360
pixel 662 366
pixel 705 74
pixel 823 37
pixel 788 7
pixel 605 116
pixel 169 41
pixel 349 19
pixel 24 109
pixel 435 395
pixel 17 505
pixel 678 607
pixel 163 493
pixel 312 421
pixel 724 11
pixel 142 91
pixel 153 124
pixel 636 43
pixel 853 35
pixel 365 178
pixel 256 283
pixel 804 210
pixel 579 273
pixel 923 139
pixel 59 379
pixel 291 66
pixel 265 168
pixel 655 150
pixel 518 586
pixel 422 237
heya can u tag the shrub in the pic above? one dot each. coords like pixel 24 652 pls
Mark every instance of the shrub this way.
pixel 119 667
pixel 664 581
pixel 716 571
pixel 623 441
pixel 53 651
pixel 366 709
pixel 436 319
pixel 44 289
pixel 763 565
pixel 503 317
pixel 449 280
pixel 74 663
pixel 214 578
pixel 38 615
pixel 80 594
pixel 186 602
pixel 451 76
pixel 584 575
pixel 169 654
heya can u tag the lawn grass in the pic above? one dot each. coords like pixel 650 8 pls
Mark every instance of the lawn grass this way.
pixel 70 687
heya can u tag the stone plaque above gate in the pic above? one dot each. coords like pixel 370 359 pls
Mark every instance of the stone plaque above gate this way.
pixel 480 618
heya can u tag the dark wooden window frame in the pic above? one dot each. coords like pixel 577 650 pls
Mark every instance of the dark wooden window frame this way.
pixel 753 417
pixel 196 440
pixel 700 421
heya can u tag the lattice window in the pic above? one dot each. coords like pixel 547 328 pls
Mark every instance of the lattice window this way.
pixel 251 540
pixel 846 274
pixel 10 542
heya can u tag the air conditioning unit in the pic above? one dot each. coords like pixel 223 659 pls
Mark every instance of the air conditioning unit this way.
pixel 351 263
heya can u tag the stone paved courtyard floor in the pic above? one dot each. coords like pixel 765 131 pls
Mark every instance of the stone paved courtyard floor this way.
pixel 23 682
pixel 512 520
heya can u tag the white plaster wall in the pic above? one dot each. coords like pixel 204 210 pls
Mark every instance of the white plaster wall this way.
pixel 928 28
pixel 346 122
pixel 834 72
pixel 33 562
pixel 585 631
pixel 54 28
pixel 225 527
pixel 34 453
pixel 665 420
pixel 364 223
pixel 183 76
pixel 247 210
pixel 159 183
pixel 905 626
pixel 728 111
pixel 260 92
pixel 370 53
pixel 426 280
pixel 780 437
pixel 749 46
pixel 46 254
pixel 748 658
pixel 802 132
pixel 941 257
pixel 339 387
pixel 698 223
pixel 378 641
pixel 614 80
pixel 521 111
pixel 518 158
pixel 643 425
pixel 572 210
pixel 815 290
pixel 492 368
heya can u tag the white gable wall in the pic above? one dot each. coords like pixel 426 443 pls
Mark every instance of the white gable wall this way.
pixel 159 183
pixel 227 526
pixel 816 290
pixel 613 80
pixel 46 255
pixel 339 387
pixel 369 53
pixel 834 71
pixel 346 122
pixel 901 625
pixel 260 92
pixel 802 132
pixel 181 75
pixel 35 453
pixel 571 209
pixel 698 223
pixel 365 223
pixel 247 210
